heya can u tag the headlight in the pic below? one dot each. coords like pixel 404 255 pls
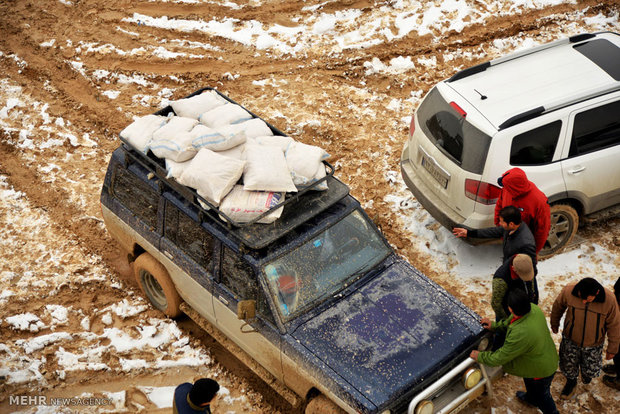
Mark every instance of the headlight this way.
pixel 484 344
pixel 471 377
pixel 425 407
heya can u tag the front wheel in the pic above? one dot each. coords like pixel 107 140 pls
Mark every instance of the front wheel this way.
pixel 156 284
pixel 564 224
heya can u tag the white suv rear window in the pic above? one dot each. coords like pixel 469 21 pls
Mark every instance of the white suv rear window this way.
pixel 449 131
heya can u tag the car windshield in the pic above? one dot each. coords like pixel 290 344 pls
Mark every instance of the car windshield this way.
pixel 452 133
pixel 324 265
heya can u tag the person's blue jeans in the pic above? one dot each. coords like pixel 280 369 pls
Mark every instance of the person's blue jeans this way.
pixel 538 393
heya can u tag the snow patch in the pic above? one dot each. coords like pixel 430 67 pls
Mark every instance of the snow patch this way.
pixel 25 322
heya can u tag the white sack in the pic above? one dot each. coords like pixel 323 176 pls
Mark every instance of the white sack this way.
pixel 194 106
pixel 266 169
pixel 175 125
pixel 212 175
pixel 237 152
pixel 243 206
pixel 320 174
pixel 175 169
pixel 178 149
pixel 226 114
pixel 140 132
pixel 274 140
pixel 255 127
pixel 304 161
pixel 219 139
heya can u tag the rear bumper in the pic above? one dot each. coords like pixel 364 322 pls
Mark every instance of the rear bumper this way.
pixel 436 208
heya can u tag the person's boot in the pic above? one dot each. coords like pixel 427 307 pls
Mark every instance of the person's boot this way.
pixel 569 388
pixel 613 382
pixel 609 369
pixel 522 396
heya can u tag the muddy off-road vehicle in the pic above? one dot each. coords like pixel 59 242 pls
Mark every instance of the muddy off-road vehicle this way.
pixel 316 303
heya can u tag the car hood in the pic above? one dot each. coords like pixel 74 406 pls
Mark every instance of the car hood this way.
pixel 390 334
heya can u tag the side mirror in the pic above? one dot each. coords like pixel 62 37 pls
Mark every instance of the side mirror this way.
pixel 246 310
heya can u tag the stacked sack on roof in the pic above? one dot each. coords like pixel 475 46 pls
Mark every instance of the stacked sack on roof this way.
pixel 211 144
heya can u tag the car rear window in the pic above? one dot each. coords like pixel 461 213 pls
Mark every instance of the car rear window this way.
pixel 452 133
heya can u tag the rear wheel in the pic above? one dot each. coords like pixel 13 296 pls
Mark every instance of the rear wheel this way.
pixel 322 405
pixel 564 224
pixel 156 284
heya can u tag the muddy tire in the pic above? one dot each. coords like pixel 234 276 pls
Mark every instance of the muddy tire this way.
pixel 322 405
pixel 564 224
pixel 155 283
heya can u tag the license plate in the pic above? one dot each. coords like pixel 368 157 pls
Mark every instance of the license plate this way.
pixel 435 171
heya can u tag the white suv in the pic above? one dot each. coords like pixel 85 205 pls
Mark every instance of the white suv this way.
pixel 553 111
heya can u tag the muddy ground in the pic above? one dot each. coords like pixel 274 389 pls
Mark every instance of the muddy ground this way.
pixel 81 69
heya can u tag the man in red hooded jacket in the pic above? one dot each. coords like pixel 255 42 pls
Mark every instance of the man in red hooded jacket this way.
pixel 520 192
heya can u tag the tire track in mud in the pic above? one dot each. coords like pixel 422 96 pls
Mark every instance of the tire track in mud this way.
pixel 55 201
pixel 67 91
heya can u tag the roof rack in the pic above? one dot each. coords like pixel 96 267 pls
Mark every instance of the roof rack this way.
pixel 484 66
pixel 540 110
pixel 522 117
pixel 469 71
pixel 304 204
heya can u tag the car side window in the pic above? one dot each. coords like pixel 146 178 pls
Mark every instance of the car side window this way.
pixel 595 129
pixel 171 222
pixel 135 194
pixel 537 146
pixel 188 235
pixel 239 278
pixel 194 240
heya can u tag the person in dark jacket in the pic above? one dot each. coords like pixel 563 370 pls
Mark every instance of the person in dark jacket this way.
pixel 195 398
pixel 590 313
pixel 520 276
pixel 610 380
pixel 528 352
pixel 520 192
pixel 516 236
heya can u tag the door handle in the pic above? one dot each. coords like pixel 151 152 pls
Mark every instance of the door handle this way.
pixel 576 170
pixel 224 301
pixel 168 254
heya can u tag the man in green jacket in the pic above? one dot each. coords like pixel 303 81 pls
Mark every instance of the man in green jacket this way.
pixel 528 351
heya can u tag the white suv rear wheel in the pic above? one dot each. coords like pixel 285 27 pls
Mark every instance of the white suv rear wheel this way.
pixel 564 224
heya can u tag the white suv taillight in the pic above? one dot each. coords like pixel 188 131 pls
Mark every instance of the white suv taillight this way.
pixel 481 192
pixel 412 125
